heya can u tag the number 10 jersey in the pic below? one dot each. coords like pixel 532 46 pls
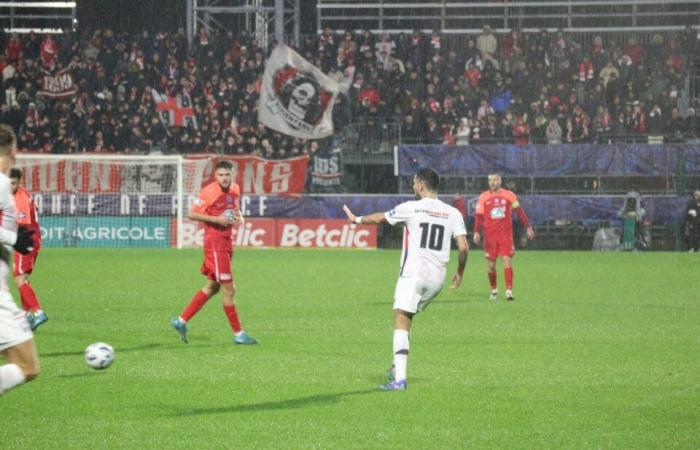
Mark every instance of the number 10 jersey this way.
pixel 429 228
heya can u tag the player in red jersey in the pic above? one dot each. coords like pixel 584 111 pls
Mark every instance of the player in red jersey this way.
pixel 494 211
pixel 24 264
pixel 217 208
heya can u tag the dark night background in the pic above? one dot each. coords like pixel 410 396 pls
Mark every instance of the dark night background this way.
pixel 136 15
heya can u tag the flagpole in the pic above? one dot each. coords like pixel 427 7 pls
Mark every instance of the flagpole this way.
pixel 279 21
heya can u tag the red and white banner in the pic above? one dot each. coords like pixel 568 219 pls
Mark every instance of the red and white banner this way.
pixel 175 111
pixel 53 175
pixel 290 233
pixel 59 85
pixel 253 174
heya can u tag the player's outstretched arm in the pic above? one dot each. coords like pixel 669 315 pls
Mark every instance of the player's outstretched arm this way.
pixel 370 219
pixel 463 247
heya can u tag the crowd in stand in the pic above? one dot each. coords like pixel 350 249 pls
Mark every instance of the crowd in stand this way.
pixel 514 87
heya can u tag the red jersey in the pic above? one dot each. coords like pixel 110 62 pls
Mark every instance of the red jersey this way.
pixel 497 211
pixel 214 201
pixel 27 214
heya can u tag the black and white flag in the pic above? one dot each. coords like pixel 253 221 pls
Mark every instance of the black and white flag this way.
pixel 296 98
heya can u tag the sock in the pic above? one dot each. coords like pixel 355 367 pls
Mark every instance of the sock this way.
pixel 508 271
pixel 10 376
pixel 199 299
pixel 29 300
pixel 232 315
pixel 400 354
pixel 492 279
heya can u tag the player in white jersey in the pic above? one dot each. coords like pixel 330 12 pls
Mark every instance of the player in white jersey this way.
pixel 429 228
pixel 16 339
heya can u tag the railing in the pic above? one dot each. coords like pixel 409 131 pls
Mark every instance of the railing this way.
pixel 582 15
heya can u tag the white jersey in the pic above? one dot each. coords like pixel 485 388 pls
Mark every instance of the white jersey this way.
pixel 8 229
pixel 430 227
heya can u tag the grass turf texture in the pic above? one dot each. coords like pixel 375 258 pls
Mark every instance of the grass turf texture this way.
pixel 598 350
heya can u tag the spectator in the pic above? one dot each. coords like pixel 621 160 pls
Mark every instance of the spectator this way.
pixel 463 132
pixel 691 223
pixel 521 131
pixel 553 132
pixel 486 43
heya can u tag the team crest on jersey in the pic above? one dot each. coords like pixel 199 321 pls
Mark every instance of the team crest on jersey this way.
pixel 21 215
pixel 392 213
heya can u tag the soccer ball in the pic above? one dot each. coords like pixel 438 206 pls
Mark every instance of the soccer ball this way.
pixel 99 355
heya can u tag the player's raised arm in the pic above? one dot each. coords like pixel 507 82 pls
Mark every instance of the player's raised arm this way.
pixel 369 219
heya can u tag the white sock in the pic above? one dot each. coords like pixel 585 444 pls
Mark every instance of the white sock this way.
pixel 400 354
pixel 10 376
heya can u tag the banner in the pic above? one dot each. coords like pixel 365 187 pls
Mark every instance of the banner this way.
pixel 253 174
pixel 175 111
pixel 326 167
pixel 551 160
pixel 59 85
pixel 290 233
pixel 541 209
pixel 100 231
pixel 296 98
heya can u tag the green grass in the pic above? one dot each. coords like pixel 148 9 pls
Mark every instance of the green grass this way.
pixel 600 350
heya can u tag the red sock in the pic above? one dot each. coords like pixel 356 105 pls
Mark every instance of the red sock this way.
pixel 29 300
pixel 199 299
pixel 508 271
pixel 492 279
pixel 232 315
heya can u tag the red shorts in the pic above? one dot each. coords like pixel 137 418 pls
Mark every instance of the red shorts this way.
pixel 498 245
pixel 24 264
pixel 217 266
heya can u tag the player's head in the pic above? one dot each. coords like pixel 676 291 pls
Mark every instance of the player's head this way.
pixel 8 148
pixel 15 179
pixel 494 181
pixel 696 195
pixel 425 181
pixel 222 173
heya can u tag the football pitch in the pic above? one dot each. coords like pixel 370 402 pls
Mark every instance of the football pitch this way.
pixel 599 350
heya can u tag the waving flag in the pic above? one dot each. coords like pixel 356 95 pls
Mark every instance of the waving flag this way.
pixel 175 111
pixel 296 98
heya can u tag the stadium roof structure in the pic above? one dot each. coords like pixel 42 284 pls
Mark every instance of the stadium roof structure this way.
pixel 460 17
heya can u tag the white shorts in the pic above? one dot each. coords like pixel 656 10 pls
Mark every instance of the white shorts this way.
pixel 413 295
pixel 14 328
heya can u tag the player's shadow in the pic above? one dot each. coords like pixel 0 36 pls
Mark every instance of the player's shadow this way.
pixel 293 403
pixel 120 349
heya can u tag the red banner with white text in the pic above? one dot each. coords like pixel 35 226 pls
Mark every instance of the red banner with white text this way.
pixel 290 233
pixel 253 174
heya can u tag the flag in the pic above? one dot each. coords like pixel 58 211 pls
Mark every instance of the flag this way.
pixel 59 85
pixel 296 97
pixel 175 111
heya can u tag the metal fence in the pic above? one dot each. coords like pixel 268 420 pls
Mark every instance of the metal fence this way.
pixel 583 15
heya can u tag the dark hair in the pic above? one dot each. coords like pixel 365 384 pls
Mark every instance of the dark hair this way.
pixel 15 173
pixel 7 139
pixel 430 178
pixel 223 164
